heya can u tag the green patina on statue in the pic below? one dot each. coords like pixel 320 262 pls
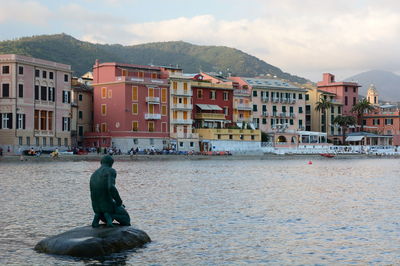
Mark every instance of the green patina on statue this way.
pixel 106 202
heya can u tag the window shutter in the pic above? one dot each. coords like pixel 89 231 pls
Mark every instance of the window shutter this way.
pixel 63 123
pixel 23 121
pixel 69 97
pixel 69 124
pixel 54 94
pixel 9 122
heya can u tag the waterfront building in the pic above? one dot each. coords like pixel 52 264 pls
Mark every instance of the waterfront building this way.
pixel 384 120
pixel 81 109
pixel 181 119
pixel 277 108
pixel 318 121
pixel 213 115
pixel 346 92
pixel 35 103
pixel 131 107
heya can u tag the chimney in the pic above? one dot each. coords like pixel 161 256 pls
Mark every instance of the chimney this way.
pixel 328 78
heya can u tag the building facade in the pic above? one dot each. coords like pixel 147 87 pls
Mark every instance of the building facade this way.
pixel 346 92
pixel 316 120
pixel 131 107
pixel 35 103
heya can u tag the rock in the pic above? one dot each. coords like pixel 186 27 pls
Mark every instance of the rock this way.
pixel 93 242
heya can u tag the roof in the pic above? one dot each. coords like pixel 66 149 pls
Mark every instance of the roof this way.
pixel 354 138
pixel 209 107
pixel 366 134
pixel 271 83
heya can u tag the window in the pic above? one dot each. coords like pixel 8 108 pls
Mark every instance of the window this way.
pixel 339 110
pixel 164 110
pixel 66 97
pixel 300 96
pixel 141 74
pixel 264 121
pixel 307 97
pixel 345 89
pixel 51 141
pixel 37 141
pixel 226 110
pixel 5 70
pixel 254 107
pixel 354 100
pixel 212 95
pixel 104 109
pixel 20 70
pixel 153 75
pixel 51 75
pixel 135 125
pixel 103 93
pixel 135 141
pixel 226 96
pixel 332 109
pixel 191 144
pixel 19 140
pixel 185 86
pixel 389 121
pixel 103 127
pixel 20 121
pixel 345 100
pixel 37 73
pixel 150 126
pixel 354 89
pixel 51 95
pixel 65 142
pixel 66 77
pixel 175 85
pixel 109 94
pixel 151 141
pixel 43 93
pixel 134 93
pixel 134 108
pixel 291 122
pixel 80 131
pixel 163 95
pixel 80 97
pixel 80 114
pixel 36 92
pixel 44 74
pixel 181 143
pixel 66 124
pixel 6 90
pixel 44 141
pixel 21 90
pixel 6 121
pixel 200 94
pixel 254 93
pixel 59 141
pixel 28 141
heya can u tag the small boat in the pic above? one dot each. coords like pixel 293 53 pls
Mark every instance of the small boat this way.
pixel 328 155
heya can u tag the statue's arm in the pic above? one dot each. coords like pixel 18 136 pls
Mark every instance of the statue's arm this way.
pixel 113 190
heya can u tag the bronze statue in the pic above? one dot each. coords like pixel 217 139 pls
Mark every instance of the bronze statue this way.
pixel 106 202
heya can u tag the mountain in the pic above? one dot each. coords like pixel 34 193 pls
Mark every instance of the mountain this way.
pixel 192 58
pixel 386 83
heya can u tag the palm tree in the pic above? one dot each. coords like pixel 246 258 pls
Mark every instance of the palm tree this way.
pixel 344 122
pixel 363 106
pixel 323 105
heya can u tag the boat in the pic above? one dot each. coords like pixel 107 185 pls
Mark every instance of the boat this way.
pixel 328 155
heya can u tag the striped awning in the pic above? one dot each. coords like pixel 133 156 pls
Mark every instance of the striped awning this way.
pixel 209 107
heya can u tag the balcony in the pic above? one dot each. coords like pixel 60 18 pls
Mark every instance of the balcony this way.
pixel 150 99
pixel 187 93
pixel 243 106
pixel 210 116
pixel 182 121
pixel 275 100
pixel 275 114
pixel 149 116
pixel 265 114
pixel 292 101
pixel 181 135
pixel 44 133
pixel 181 106
pixel 265 99
pixel 284 100
pixel 292 115
pixel 244 119
pixel 241 93
pixel 142 80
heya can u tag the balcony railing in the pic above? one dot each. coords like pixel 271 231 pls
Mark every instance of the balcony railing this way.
pixel 182 92
pixel 149 116
pixel 181 135
pixel 244 106
pixel 265 113
pixel 145 80
pixel 150 99
pixel 211 116
pixel 44 132
pixel 182 121
pixel 265 99
pixel 241 92
pixel 244 119
pixel 182 106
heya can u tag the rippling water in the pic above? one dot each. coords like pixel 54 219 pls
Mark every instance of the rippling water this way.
pixel 215 211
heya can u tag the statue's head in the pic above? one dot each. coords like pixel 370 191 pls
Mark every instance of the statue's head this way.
pixel 107 160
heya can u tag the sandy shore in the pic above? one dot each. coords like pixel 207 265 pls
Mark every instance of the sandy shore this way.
pixel 95 157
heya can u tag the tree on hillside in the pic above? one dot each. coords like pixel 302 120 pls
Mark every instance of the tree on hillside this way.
pixel 344 122
pixel 321 106
pixel 360 108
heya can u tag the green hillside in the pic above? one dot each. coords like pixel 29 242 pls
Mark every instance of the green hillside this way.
pixel 192 58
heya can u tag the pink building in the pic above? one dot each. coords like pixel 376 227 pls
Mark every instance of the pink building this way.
pixel 346 92
pixel 35 103
pixel 130 107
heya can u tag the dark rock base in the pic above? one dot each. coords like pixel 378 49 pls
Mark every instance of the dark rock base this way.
pixel 93 242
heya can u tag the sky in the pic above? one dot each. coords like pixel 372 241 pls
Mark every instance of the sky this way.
pixel 305 38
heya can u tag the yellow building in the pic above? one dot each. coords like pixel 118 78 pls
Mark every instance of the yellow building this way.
pixel 315 120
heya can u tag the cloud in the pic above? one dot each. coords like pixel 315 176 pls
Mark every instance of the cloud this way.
pixel 29 12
